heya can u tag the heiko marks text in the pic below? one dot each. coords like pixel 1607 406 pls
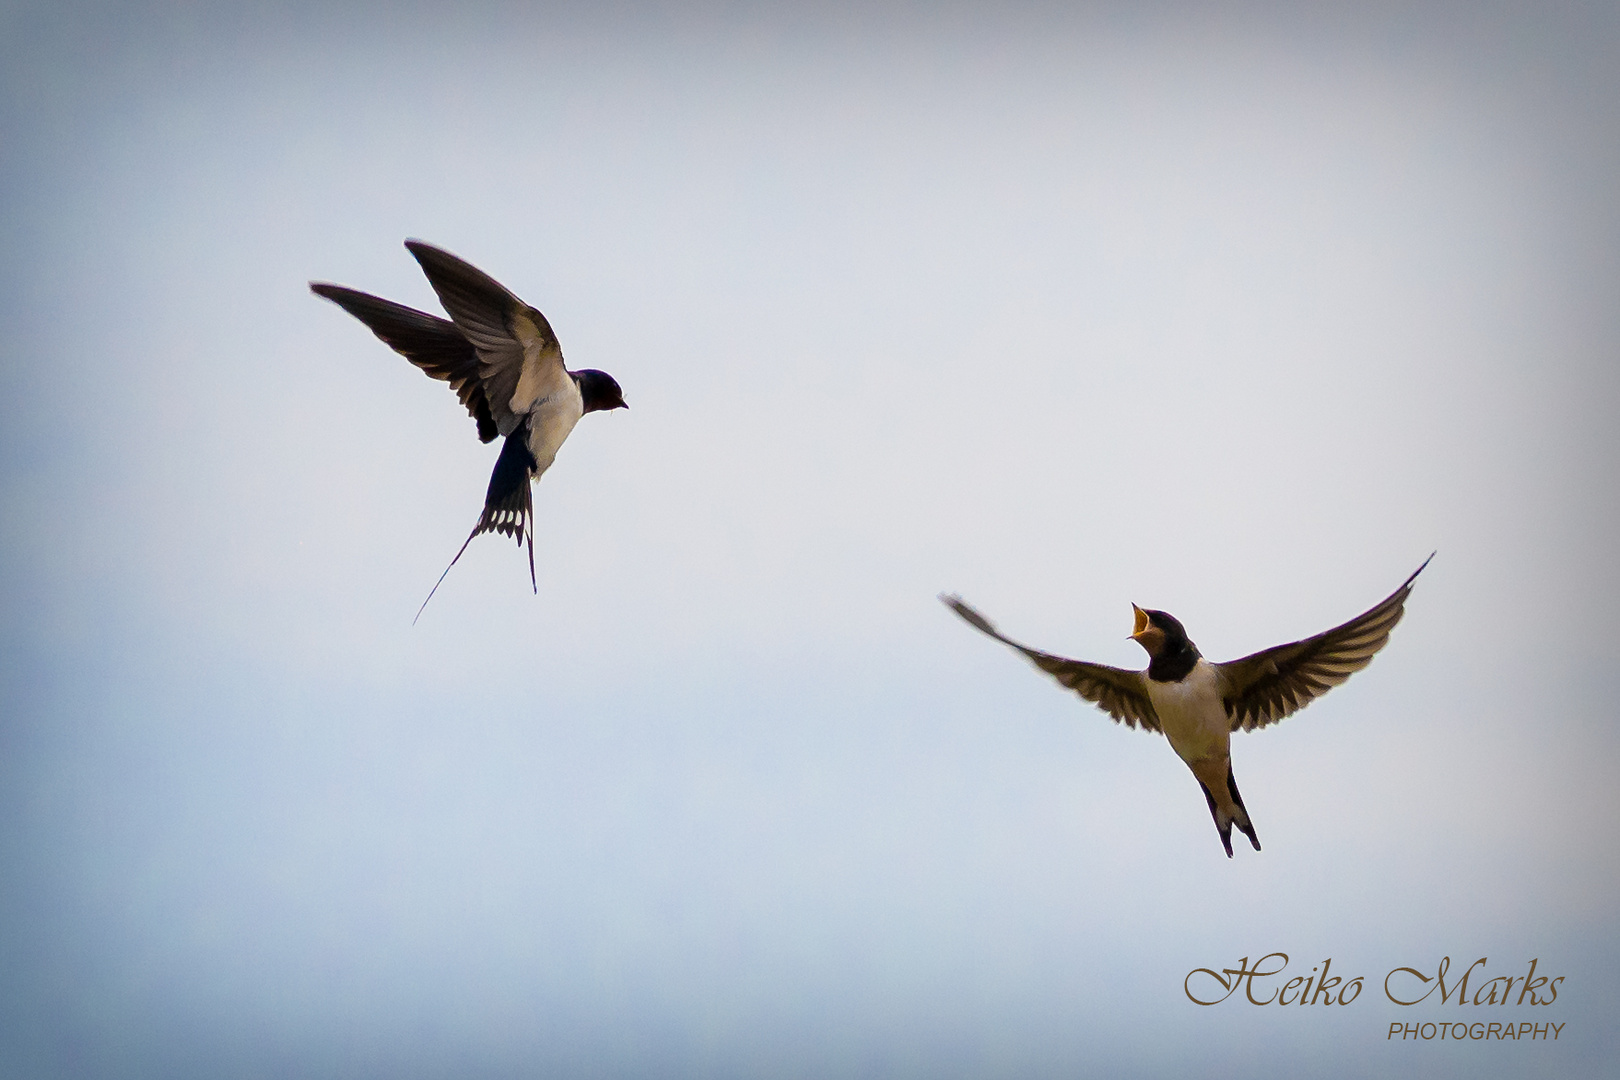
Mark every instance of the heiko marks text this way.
pixel 1268 982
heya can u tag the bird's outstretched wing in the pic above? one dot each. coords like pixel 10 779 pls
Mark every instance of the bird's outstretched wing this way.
pixel 431 343
pixel 521 360
pixel 1121 694
pixel 1267 686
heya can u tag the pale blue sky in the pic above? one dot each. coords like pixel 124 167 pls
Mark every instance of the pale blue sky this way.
pixel 1235 315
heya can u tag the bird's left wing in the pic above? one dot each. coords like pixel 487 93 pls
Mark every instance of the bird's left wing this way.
pixel 431 343
pixel 1119 693
pixel 1267 686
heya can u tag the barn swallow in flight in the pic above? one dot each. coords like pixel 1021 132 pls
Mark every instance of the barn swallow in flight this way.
pixel 501 358
pixel 1197 705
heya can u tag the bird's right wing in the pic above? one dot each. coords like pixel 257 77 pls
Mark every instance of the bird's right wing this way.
pixel 1121 694
pixel 431 343
pixel 522 362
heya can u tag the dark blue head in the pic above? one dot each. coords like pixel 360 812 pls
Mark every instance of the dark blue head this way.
pixel 599 390
pixel 1170 653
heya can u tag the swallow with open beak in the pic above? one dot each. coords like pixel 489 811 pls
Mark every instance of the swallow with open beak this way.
pixel 501 358
pixel 1197 705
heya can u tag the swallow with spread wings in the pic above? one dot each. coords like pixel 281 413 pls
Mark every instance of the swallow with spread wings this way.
pixel 1197 705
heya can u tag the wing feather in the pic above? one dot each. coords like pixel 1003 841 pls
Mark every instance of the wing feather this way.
pixel 512 338
pixel 1120 693
pixel 1275 683
pixel 431 343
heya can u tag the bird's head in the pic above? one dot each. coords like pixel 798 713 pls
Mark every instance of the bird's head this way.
pixel 1159 632
pixel 599 391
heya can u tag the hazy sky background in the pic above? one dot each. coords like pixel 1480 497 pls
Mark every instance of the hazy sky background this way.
pixel 1235 310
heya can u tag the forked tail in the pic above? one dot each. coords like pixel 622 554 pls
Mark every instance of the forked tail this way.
pixel 1225 821
pixel 508 506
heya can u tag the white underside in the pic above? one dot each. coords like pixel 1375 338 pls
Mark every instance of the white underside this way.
pixel 1191 714
pixel 550 421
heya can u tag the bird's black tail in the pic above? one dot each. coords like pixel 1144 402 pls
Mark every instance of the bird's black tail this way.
pixel 508 505
pixel 1223 822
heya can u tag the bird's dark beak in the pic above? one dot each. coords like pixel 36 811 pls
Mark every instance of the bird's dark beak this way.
pixel 1142 624
pixel 623 404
